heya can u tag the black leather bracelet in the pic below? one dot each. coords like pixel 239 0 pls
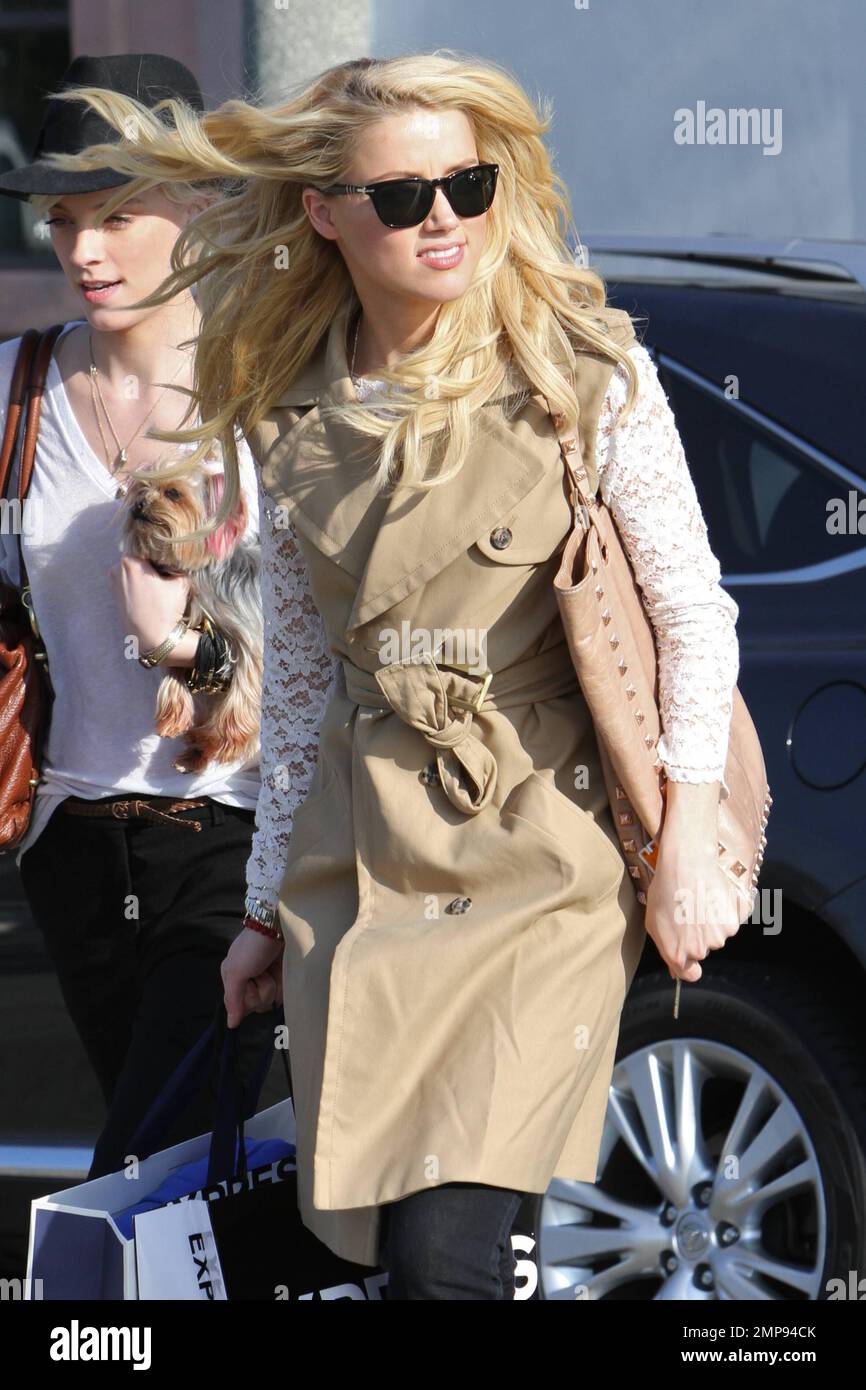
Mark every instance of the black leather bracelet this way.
pixel 223 662
pixel 200 678
pixel 212 671
pixel 205 655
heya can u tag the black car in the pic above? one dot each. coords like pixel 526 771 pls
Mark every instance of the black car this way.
pixel 732 1163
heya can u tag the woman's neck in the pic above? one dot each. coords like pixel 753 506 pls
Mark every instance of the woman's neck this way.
pixel 148 350
pixel 386 338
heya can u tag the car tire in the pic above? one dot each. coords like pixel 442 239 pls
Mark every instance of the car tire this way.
pixel 777 1075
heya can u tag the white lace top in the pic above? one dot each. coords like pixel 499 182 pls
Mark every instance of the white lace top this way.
pixel 645 481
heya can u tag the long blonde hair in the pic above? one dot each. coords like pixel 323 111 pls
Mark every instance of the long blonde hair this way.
pixel 269 286
pixel 182 194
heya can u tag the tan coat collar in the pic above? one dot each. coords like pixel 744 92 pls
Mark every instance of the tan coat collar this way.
pixel 392 543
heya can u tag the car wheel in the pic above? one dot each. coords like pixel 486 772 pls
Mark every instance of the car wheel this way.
pixel 732 1157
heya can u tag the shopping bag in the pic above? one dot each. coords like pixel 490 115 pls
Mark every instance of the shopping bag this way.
pixel 76 1247
pixel 240 1235
pixel 247 1244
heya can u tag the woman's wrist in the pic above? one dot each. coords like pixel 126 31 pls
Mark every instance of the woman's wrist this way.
pixel 692 809
pixel 261 917
pixel 153 654
pixel 183 652
pixel 273 933
pixel 186 653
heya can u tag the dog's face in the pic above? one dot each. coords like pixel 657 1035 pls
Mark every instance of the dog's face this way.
pixel 157 512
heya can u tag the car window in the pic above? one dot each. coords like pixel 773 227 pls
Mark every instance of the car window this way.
pixel 767 506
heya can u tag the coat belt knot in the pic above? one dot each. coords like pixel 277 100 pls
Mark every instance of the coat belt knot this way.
pixel 421 693
pixel 425 695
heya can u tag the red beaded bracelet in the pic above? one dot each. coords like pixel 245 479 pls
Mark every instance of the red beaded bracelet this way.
pixel 273 932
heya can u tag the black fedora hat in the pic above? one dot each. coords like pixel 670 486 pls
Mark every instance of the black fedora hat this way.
pixel 70 126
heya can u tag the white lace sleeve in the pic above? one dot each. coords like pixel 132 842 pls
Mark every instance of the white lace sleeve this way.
pixel 646 484
pixel 299 674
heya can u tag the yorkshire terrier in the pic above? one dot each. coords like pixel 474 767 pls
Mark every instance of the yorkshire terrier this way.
pixel 224 573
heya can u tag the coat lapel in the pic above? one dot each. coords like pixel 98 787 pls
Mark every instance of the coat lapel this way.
pixel 422 532
pixel 391 543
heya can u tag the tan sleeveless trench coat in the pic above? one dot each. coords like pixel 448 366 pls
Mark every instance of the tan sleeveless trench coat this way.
pixel 460 930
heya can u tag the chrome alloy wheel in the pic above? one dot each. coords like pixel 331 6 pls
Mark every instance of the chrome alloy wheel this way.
pixel 709 1188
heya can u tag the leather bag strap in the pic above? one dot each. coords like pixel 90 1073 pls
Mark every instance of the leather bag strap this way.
pixel 25 398
pixel 17 393
pixel 38 374
pixel 582 500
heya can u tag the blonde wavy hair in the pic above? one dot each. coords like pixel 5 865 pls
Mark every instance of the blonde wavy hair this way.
pixel 183 194
pixel 269 286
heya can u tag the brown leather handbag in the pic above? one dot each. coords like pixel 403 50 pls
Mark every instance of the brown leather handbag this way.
pixel 26 693
pixel 612 644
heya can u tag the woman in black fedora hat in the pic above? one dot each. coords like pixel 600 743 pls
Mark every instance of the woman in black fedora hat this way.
pixel 134 870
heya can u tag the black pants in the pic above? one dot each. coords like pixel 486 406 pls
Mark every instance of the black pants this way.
pixel 450 1242
pixel 137 917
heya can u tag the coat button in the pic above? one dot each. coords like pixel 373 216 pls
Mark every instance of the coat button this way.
pixel 429 775
pixel 501 537
pixel 459 905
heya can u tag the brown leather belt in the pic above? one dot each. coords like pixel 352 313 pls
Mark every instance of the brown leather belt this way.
pixel 123 808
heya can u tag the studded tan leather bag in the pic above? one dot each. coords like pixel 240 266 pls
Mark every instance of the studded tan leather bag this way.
pixel 612 645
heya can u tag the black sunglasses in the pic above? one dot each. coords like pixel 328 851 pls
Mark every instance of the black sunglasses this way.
pixel 407 202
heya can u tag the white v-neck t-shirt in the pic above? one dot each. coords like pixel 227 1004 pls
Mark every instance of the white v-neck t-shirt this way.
pixel 101 737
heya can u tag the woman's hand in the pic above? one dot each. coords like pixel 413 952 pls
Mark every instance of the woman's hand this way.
pixel 150 602
pixel 252 975
pixel 692 907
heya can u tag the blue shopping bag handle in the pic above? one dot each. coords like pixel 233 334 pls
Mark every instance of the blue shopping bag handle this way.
pixel 214 1053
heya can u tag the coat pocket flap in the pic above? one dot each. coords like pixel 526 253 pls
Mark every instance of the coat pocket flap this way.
pixel 517 539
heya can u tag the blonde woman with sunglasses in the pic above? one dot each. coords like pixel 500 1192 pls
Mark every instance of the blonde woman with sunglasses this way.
pixel 387 298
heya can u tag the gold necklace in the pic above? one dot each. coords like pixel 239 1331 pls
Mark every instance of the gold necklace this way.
pixel 123 449
pixel 355 348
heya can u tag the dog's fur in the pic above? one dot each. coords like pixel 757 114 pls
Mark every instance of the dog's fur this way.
pixel 224 574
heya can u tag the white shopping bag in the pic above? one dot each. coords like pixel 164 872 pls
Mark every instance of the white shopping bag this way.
pixel 176 1254
pixel 76 1247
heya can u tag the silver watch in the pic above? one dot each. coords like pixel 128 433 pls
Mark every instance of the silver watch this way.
pixel 259 911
